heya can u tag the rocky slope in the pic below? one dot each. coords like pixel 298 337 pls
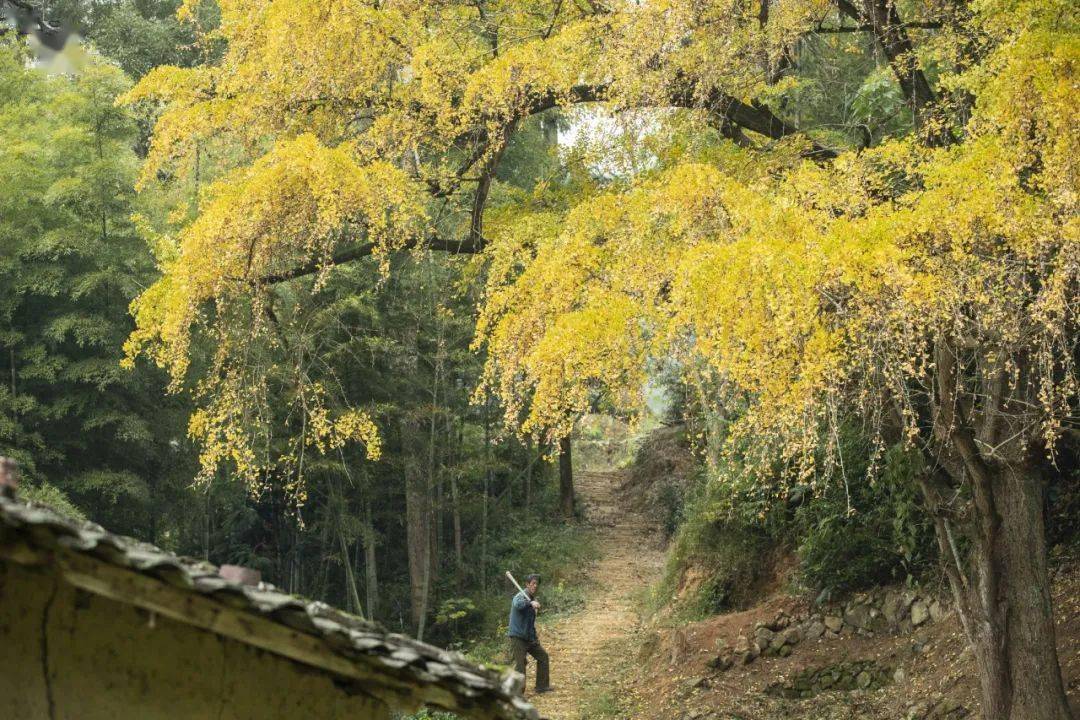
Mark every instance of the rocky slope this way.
pixel 887 654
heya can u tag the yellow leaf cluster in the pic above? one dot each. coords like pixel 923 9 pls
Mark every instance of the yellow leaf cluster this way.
pixel 794 282
pixel 819 281
pixel 287 209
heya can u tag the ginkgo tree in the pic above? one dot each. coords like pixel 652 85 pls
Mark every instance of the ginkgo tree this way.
pixel 928 283
pixel 381 139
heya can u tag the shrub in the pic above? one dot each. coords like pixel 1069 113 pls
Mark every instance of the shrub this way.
pixel 863 533
pixel 847 534
pixel 54 497
pixel 736 569
pixel 716 559
pixel 663 474
pixel 670 504
pixel 457 617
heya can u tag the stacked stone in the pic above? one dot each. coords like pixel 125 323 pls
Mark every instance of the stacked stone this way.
pixel 894 611
pixel 854 675
pixel 937 708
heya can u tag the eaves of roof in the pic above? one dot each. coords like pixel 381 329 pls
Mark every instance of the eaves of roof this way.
pixel 402 672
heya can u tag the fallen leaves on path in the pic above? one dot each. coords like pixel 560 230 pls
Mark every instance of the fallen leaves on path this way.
pixel 585 646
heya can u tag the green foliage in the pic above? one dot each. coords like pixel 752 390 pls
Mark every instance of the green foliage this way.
pixel 70 263
pixel 722 555
pixel 143 34
pixel 602 703
pixel 523 166
pixel 527 543
pixel 845 90
pixel 53 497
pixel 139 35
pixel 557 553
pixel 671 506
pixel 849 529
pixel 858 534
pixel 457 617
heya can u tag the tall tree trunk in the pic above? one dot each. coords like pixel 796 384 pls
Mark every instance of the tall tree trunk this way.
pixel 528 473
pixel 484 498
pixel 371 584
pixel 339 507
pixel 426 595
pixel 322 590
pixel 206 525
pixel 433 485
pixel 350 578
pixel 435 476
pixel 294 560
pixel 455 513
pixel 566 479
pixel 439 521
pixel 459 556
pixel 432 571
pixel 484 530
pixel 418 538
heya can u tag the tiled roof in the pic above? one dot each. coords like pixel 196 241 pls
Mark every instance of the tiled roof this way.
pixel 419 670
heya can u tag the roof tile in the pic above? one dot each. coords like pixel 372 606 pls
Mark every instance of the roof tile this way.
pixel 347 635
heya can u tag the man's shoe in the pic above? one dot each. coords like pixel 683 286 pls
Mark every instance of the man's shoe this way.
pixel 541 691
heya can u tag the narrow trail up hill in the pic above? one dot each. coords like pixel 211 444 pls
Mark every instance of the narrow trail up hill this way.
pixel 631 558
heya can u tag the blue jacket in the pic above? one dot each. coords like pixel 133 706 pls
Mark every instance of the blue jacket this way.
pixel 522 618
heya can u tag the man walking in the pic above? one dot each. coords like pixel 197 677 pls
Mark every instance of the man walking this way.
pixel 523 639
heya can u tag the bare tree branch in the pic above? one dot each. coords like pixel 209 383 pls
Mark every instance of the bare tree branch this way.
pixel 882 19
pixel 29 17
pixel 924 25
pixel 468 246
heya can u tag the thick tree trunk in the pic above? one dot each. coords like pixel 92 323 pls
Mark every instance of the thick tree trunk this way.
pixel 1002 593
pixel 1002 586
pixel 566 479
pixel 1012 623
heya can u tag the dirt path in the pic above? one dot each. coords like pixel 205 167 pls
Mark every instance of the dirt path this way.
pixel 631 558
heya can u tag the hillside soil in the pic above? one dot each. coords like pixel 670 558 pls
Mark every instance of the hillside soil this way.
pixel 930 671
pixel 610 662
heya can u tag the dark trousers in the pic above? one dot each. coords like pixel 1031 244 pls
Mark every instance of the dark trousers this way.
pixel 520 648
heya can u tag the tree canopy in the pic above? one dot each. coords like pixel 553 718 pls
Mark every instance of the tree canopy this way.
pixel 360 129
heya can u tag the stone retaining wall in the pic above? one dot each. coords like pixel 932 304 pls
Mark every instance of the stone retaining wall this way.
pixel 891 611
